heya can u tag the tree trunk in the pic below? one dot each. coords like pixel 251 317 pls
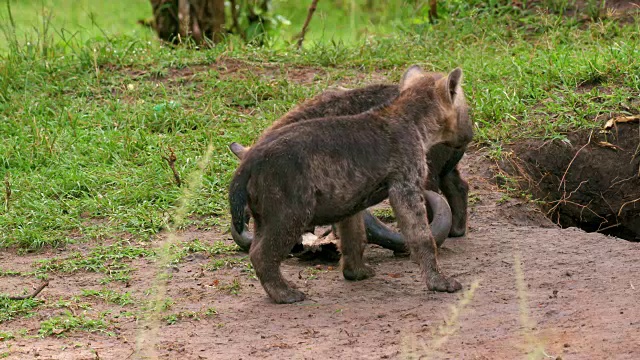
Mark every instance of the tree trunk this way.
pixel 257 25
pixel 177 20
pixel 433 10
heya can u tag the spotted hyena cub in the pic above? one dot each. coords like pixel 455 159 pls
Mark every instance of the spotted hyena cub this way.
pixel 329 170
pixel 443 173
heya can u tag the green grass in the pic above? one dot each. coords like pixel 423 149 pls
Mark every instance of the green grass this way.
pixel 10 309
pixel 85 127
pixel 227 262
pixel 180 251
pixel 110 296
pixel 112 260
pixel 342 21
pixel 4 336
pixel 60 325
pixel 9 273
pixel 385 215
pixel 80 20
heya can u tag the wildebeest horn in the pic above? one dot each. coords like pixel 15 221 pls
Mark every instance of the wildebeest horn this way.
pixel 442 218
pixel 378 233
pixel 243 240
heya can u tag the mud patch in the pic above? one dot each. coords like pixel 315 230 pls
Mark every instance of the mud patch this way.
pixel 590 181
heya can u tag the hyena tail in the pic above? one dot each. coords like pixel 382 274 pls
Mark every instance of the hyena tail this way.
pixel 238 197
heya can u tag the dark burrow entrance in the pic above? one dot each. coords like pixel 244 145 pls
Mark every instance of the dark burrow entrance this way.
pixel 591 181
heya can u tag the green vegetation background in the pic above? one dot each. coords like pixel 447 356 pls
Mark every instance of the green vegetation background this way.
pixel 90 101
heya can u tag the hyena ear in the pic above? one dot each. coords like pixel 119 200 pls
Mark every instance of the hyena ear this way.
pixel 454 81
pixel 237 149
pixel 410 76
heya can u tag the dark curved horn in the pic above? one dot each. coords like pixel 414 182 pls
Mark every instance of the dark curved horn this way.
pixel 237 149
pixel 442 218
pixel 242 240
pixel 245 239
pixel 378 233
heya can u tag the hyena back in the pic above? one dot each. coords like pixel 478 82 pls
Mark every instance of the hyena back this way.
pixel 329 170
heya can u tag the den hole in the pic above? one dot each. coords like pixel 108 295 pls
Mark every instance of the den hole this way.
pixel 590 180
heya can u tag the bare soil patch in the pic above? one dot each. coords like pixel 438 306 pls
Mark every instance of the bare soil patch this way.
pixel 580 293
pixel 582 5
pixel 589 11
pixel 229 67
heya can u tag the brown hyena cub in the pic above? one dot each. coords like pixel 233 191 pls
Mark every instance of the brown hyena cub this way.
pixel 443 160
pixel 329 170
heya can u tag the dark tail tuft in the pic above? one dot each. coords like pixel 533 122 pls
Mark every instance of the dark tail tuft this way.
pixel 238 197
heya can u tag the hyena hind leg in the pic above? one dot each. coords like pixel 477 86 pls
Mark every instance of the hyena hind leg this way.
pixel 353 238
pixel 456 190
pixel 270 247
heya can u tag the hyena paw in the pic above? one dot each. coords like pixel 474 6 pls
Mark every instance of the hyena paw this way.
pixel 457 231
pixel 359 273
pixel 287 296
pixel 441 283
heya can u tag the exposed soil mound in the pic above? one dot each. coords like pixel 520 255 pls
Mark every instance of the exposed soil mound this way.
pixel 591 181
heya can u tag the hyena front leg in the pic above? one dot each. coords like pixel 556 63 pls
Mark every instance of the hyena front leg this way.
pixel 353 239
pixel 409 207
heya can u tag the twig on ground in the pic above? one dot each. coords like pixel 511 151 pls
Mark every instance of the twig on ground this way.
pixel 171 160
pixel 621 181
pixel 574 157
pixel 608 227
pixel 30 296
pixel 312 9
pixel 565 198
pixel 627 203
pixel 565 201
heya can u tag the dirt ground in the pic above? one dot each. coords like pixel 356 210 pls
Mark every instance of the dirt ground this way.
pixel 578 299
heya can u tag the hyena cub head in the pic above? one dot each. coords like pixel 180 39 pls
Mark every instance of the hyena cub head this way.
pixel 449 119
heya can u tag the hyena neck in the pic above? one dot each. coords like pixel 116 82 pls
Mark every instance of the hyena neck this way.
pixel 417 114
